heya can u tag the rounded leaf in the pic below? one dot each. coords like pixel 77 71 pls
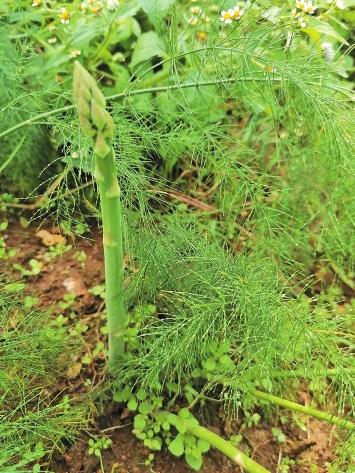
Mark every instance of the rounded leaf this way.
pixel 176 447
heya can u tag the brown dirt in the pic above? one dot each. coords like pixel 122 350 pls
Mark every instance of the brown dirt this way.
pixel 65 274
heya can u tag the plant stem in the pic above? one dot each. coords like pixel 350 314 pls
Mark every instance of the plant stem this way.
pixel 311 411
pixel 113 253
pixel 131 93
pixel 331 372
pixel 219 443
pixel 97 124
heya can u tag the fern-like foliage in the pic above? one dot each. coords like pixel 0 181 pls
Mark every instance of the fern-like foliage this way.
pixel 32 423
pixel 26 152
pixel 205 295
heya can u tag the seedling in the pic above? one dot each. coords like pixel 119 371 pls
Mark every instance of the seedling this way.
pixel 96 445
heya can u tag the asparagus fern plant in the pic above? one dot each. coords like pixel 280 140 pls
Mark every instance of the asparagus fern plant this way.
pixel 97 125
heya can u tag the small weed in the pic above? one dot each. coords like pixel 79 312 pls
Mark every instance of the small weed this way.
pixel 34 268
pixel 97 444
pixel 278 435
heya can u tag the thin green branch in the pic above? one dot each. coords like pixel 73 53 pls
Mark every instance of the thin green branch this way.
pixel 311 411
pixel 301 373
pixel 224 446
pixel 12 155
pixel 131 93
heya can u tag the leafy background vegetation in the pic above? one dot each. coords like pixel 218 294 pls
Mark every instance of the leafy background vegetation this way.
pixel 264 144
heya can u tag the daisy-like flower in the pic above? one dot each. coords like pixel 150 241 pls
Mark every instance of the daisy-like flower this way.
pixel 306 6
pixel 193 21
pixel 64 16
pixel 112 4
pixel 36 3
pixel 227 16
pixel 237 12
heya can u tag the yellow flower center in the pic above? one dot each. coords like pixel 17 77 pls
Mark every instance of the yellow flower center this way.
pixel 227 16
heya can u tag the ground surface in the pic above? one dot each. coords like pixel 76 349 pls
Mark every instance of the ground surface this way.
pixel 70 272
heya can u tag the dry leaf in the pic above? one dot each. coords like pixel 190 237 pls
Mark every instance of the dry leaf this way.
pixel 50 239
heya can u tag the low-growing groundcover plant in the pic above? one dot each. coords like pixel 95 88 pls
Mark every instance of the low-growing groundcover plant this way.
pixel 32 423
pixel 191 321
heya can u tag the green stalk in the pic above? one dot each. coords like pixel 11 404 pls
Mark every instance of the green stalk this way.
pixel 113 253
pixel 311 411
pixel 97 124
pixel 130 93
pixel 224 446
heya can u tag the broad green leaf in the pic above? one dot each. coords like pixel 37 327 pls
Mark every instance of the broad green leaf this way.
pixel 317 29
pixel 148 45
pixel 176 447
pixel 156 9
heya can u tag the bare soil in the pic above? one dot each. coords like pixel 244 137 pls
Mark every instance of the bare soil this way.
pixel 310 448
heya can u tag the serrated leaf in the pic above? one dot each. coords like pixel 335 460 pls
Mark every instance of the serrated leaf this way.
pixel 176 447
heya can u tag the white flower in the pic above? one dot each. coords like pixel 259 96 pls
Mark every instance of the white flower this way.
pixel 193 21
pixel 237 12
pixel 228 16
pixel 64 16
pixel 112 4
pixel 306 6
